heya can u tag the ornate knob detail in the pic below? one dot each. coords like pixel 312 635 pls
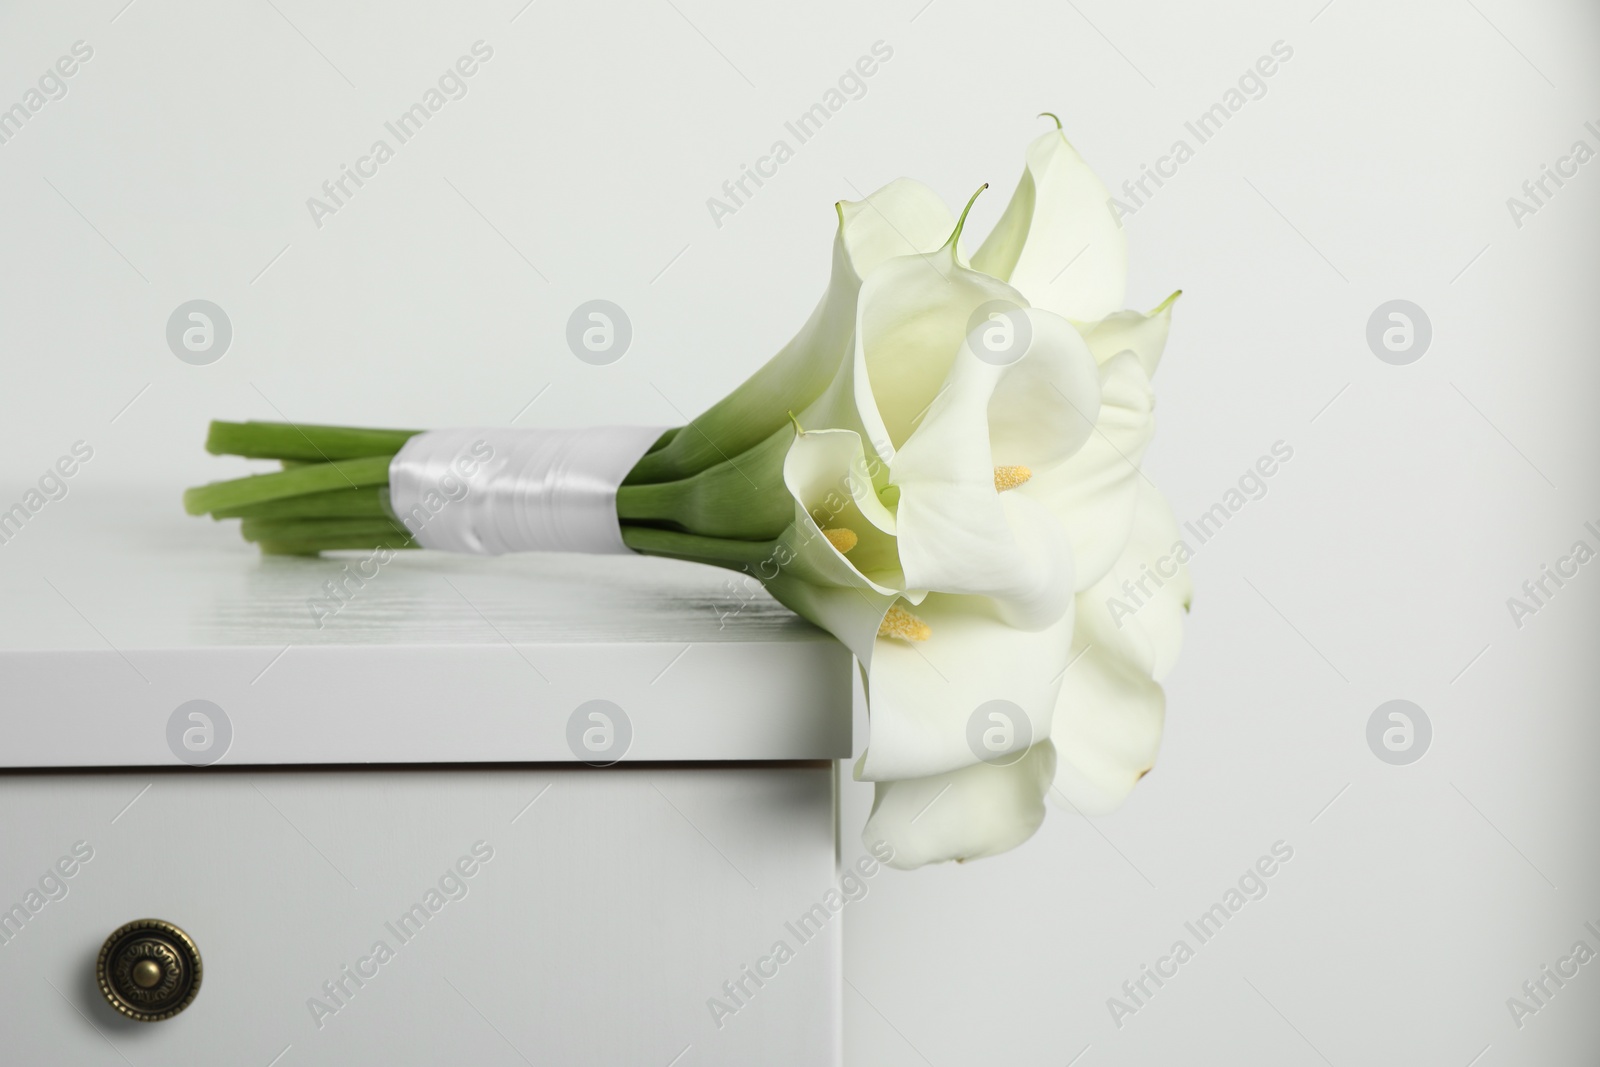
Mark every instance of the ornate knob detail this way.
pixel 149 970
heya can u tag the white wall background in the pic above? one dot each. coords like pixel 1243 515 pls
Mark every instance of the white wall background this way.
pixel 1376 166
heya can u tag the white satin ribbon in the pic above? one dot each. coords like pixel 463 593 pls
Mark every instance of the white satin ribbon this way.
pixel 491 491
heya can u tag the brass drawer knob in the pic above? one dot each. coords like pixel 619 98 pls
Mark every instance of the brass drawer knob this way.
pixel 149 970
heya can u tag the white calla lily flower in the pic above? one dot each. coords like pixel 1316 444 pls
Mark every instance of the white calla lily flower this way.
pixel 1107 730
pixel 840 565
pixel 1136 611
pixel 977 811
pixel 838 562
pixel 1145 335
pixel 1094 492
pixel 1111 709
pixel 1058 241
pixel 960 532
pixel 922 694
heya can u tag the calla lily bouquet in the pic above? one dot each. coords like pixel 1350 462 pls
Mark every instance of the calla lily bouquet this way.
pixel 941 469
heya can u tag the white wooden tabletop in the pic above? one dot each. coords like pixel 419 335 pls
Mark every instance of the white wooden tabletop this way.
pixel 119 609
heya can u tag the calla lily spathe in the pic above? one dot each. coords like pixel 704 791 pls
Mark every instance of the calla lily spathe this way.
pixel 1057 240
pixel 977 811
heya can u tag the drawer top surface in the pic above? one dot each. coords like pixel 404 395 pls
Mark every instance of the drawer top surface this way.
pixel 120 608
pixel 131 570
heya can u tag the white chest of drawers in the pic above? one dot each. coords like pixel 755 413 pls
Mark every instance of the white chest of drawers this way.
pixel 400 848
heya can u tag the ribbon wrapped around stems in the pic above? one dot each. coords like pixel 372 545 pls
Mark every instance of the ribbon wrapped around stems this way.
pixel 491 491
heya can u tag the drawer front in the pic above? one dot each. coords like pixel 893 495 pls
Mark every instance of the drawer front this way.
pixel 570 915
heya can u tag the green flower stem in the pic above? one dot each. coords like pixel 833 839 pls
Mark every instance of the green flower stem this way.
pixel 725 430
pixel 721 552
pixel 743 498
pixel 317 478
pixel 375 530
pixel 334 504
pixel 332 544
pixel 311 444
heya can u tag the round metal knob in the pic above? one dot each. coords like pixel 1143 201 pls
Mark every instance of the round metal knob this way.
pixel 149 970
